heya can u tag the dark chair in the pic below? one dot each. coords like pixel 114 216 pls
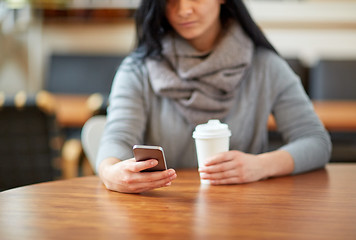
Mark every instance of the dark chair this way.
pixel 29 140
pixel 336 80
pixel 81 74
pixel 333 80
pixel 301 70
pixel 76 158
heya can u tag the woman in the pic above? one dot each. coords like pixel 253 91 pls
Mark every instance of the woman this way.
pixel 197 60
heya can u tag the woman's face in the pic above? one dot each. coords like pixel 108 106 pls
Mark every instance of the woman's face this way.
pixel 195 20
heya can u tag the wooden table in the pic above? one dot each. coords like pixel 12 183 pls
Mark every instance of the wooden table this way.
pixel 335 115
pixel 315 205
pixel 73 111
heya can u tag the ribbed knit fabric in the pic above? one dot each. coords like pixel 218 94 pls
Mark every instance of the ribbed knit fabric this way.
pixel 202 85
pixel 137 115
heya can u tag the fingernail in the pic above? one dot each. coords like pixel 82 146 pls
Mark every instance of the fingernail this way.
pixel 169 183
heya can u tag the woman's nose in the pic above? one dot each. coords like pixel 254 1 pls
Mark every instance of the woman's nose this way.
pixel 185 8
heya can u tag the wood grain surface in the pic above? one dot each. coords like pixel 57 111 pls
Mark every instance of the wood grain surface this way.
pixel 316 205
pixel 73 111
pixel 335 115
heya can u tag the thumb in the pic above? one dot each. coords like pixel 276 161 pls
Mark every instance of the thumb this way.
pixel 142 165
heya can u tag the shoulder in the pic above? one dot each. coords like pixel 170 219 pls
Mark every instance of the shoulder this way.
pixel 269 60
pixel 271 66
pixel 271 73
pixel 131 62
pixel 131 67
pixel 129 74
pixel 132 76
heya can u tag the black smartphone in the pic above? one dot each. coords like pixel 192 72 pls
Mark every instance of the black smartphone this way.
pixel 145 152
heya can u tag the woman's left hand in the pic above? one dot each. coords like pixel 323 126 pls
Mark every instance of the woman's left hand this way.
pixel 233 167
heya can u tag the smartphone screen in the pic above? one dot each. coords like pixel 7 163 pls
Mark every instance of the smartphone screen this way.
pixel 145 152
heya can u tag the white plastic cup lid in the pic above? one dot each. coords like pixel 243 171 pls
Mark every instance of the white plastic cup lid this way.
pixel 213 129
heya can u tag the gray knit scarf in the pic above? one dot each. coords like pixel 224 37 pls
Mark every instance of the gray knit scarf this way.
pixel 202 84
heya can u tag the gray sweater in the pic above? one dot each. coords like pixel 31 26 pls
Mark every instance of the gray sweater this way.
pixel 137 116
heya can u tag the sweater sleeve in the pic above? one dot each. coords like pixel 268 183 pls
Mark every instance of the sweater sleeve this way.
pixel 306 138
pixel 126 114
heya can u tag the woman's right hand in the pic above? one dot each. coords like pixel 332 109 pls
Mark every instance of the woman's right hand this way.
pixel 126 176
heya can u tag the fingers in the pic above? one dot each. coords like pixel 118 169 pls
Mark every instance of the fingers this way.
pixel 221 167
pixel 224 168
pixel 219 163
pixel 126 176
pixel 218 175
pixel 141 182
pixel 146 186
pixel 156 176
pixel 232 180
pixel 222 157
pixel 134 166
pixel 137 167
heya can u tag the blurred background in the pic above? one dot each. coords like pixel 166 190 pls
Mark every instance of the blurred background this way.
pixel 73 47
pixel 31 31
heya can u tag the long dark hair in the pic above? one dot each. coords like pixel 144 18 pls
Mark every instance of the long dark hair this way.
pixel 152 25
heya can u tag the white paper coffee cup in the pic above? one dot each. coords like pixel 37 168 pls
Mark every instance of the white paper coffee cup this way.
pixel 211 138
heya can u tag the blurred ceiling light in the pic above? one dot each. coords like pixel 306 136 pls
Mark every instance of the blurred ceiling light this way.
pixel 16 4
pixel 50 3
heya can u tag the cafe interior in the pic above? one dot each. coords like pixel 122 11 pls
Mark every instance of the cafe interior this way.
pixel 58 59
